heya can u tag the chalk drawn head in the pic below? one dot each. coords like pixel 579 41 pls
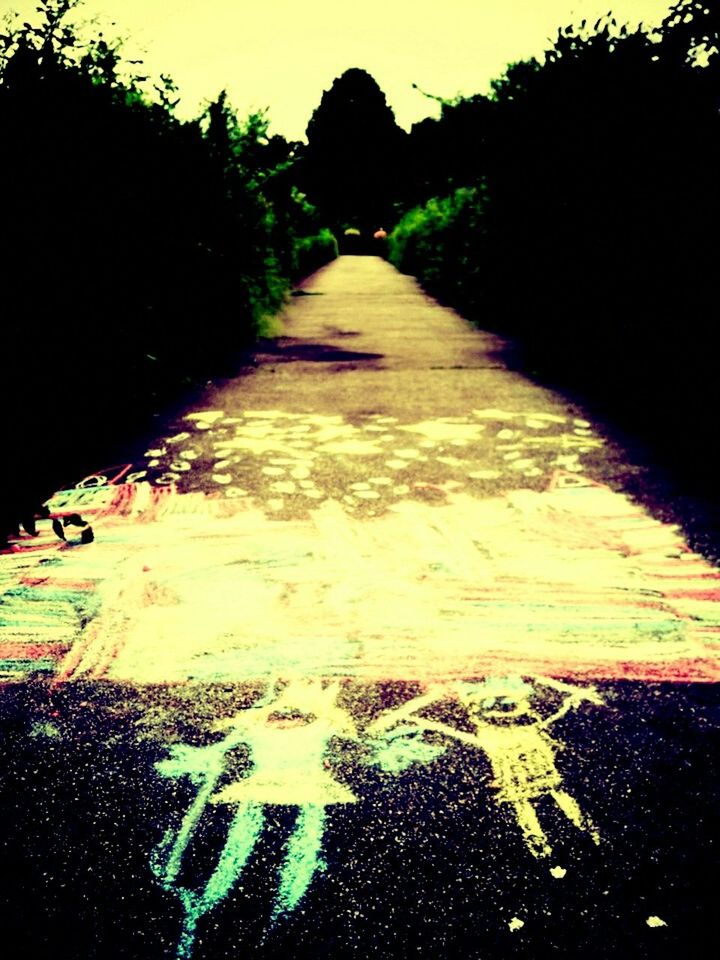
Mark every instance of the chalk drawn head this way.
pixel 287 719
pixel 496 699
pixel 297 703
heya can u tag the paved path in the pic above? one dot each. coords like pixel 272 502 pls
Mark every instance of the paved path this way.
pixel 371 588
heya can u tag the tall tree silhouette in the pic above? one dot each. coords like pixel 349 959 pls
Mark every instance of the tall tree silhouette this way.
pixel 354 156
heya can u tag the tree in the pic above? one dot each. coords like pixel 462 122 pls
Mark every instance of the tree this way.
pixel 353 162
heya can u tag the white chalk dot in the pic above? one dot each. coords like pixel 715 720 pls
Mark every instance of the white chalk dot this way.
pixel 235 492
pixel 484 474
pixel 283 486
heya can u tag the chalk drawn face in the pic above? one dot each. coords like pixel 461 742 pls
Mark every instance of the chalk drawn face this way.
pixel 497 700
pixel 298 704
pixel 288 719
pixel 497 710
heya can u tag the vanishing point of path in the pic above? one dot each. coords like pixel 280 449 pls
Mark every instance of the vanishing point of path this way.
pixel 370 656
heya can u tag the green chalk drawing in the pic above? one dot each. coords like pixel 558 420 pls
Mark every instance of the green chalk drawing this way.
pixel 402 747
pixel 302 859
pixel 287 734
pixel 204 766
pixel 242 837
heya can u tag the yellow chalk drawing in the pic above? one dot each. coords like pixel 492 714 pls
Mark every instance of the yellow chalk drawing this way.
pixel 287 734
pixel 514 736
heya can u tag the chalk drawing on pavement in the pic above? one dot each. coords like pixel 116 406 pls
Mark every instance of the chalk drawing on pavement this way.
pixel 187 587
pixel 571 581
pixel 287 735
pixel 513 734
pixel 265 452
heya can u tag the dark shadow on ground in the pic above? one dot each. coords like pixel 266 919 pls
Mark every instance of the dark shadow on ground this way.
pixel 38 462
pixel 665 425
pixel 287 349
pixel 50 452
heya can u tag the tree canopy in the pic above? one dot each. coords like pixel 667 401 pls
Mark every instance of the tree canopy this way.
pixel 354 155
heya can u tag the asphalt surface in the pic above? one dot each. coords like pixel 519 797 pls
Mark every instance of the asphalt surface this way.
pixel 375 652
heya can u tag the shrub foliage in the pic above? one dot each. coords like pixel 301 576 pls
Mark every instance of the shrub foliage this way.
pixel 584 206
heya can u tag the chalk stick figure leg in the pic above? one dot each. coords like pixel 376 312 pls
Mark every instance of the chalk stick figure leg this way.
pixel 534 835
pixel 302 858
pixel 572 811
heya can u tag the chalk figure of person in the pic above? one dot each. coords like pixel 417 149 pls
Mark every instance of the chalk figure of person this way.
pixel 514 736
pixel 287 736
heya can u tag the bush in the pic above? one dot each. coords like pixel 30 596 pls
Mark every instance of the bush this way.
pixel 443 243
pixel 314 252
pixel 139 254
pixel 592 233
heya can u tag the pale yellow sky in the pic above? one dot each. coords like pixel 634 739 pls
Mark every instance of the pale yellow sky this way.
pixel 282 54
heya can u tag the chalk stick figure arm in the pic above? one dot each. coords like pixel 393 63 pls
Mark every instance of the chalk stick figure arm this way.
pixel 435 726
pixel 576 696
pixel 405 712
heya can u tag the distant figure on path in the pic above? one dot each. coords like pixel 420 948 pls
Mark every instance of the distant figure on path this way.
pixel 380 242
